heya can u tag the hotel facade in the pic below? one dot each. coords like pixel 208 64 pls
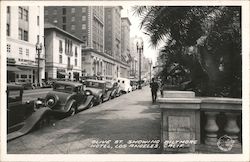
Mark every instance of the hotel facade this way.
pixel 63 54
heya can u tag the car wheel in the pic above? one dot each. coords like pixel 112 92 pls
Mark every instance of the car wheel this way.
pixel 91 104
pixel 73 109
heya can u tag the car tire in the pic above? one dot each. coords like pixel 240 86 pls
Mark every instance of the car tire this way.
pixel 91 104
pixel 73 109
pixel 43 122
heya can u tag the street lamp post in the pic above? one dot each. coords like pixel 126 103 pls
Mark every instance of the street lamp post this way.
pixel 38 49
pixel 139 50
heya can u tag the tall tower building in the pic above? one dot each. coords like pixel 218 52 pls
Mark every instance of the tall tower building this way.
pixel 25 32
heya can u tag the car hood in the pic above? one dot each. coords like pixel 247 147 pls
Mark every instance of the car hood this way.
pixel 95 91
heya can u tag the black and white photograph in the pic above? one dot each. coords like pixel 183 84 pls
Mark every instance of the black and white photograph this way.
pixel 163 79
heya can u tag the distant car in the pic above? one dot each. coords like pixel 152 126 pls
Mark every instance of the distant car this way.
pixel 125 84
pixel 99 89
pixel 68 97
pixel 22 115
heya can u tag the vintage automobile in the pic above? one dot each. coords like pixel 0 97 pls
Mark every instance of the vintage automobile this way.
pixel 22 117
pixel 68 98
pixel 125 85
pixel 115 88
pixel 99 89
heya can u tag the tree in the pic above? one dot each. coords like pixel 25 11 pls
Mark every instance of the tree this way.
pixel 213 34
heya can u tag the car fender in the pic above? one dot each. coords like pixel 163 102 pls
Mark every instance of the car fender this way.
pixel 69 104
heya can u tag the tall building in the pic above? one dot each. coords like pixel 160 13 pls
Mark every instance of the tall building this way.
pixel 63 54
pixel 125 39
pixel 25 30
pixel 113 39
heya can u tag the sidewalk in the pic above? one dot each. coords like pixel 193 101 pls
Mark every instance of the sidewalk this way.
pixel 125 122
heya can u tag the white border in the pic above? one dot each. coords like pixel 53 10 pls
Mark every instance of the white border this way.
pixel 129 157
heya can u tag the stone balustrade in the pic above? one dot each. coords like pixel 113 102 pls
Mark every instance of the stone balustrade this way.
pixel 209 121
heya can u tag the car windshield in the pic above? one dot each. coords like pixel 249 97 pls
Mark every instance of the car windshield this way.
pixel 94 84
pixel 63 88
pixel 14 96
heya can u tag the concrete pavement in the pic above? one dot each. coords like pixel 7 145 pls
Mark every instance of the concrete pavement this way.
pixel 129 124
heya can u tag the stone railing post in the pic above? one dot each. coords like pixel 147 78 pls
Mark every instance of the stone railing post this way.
pixel 211 128
pixel 231 127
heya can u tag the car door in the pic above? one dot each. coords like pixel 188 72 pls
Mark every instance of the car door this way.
pixel 15 109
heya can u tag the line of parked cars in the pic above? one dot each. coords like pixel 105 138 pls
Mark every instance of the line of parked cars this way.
pixel 66 98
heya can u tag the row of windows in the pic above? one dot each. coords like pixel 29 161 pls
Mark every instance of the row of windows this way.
pixel 68 46
pixel 20 50
pixel 61 58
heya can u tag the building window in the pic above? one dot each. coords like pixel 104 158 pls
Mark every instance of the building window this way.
pixel 37 39
pixel 26 15
pixel 64 11
pixel 46 12
pixel 83 26
pixel 83 9
pixel 55 12
pixel 64 19
pixel 27 52
pixel 83 18
pixel 8 29
pixel 8 48
pixel 60 59
pixel 64 27
pixel 20 51
pixel 38 20
pixel 73 10
pixel 8 9
pixel 73 27
pixel 60 46
pixel 73 19
pixel 20 12
pixel 75 62
pixel 68 61
pixel 20 33
pixel 25 35
pixel 75 51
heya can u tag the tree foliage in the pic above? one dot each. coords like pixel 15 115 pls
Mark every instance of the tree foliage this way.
pixel 206 40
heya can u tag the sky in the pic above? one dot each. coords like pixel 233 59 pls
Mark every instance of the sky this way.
pixel 149 52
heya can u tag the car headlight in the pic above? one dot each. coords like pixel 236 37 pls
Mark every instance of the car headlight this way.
pixel 50 102
pixel 87 93
pixel 38 102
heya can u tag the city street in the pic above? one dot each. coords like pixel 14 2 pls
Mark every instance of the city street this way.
pixel 35 93
pixel 116 126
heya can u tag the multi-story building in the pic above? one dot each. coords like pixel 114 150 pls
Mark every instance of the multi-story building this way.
pixel 24 33
pixel 86 23
pixel 113 39
pixel 63 54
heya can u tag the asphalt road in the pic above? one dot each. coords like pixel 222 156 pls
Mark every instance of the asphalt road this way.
pixel 118 126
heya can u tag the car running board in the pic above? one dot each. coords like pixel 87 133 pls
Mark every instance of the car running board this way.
pixel 29 123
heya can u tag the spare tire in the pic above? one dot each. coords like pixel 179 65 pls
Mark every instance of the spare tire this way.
pixel 51 100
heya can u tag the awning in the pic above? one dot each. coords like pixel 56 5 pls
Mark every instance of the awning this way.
pixel 13 68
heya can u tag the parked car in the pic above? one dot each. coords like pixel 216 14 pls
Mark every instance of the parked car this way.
pixel 134 84
pixel 99 89
pixel 22 117
pixel 68 97
pixel 115 89
pixel 125 85
pixel 25 83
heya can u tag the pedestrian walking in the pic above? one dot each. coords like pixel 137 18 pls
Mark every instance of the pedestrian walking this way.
pixel 154 88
